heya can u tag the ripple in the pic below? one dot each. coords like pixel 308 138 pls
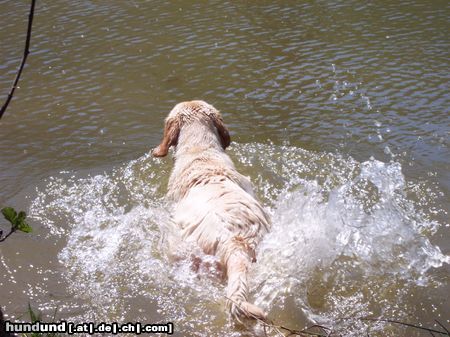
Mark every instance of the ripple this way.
pixel 345 236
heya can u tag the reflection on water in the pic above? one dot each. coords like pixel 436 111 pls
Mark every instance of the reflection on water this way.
pixel 339 113
pixel 342 243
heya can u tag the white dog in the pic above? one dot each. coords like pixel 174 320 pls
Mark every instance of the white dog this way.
pixel 214 204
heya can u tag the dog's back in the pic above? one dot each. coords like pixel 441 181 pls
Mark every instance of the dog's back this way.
pixel 214 204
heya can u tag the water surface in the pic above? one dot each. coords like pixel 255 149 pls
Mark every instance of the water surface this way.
pixel 338 112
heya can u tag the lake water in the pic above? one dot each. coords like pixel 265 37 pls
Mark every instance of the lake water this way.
pixel 338 111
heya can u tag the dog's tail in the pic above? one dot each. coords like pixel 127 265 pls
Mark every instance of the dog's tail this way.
pixel 237 289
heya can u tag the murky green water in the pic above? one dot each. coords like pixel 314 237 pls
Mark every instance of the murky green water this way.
pixel 339 112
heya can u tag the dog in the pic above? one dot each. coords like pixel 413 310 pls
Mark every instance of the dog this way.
pixel 214 205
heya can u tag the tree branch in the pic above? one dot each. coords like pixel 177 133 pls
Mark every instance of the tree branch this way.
pixel 24 58
pixel 13 229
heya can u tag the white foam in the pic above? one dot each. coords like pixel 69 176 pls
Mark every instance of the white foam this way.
pixel 344 233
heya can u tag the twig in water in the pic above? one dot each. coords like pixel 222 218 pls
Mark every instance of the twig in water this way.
pixel 24 58
pixel 443 327
pixel 291 332
pixel 392 321
pixel 326 332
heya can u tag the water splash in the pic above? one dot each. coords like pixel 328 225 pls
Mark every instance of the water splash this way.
pixel 347 240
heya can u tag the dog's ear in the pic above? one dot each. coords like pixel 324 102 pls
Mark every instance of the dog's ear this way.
pixel 223 131
pixel 170 137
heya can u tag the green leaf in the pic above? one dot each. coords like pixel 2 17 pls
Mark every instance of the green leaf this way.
pixel 17 220
pixel 10 214
pixel 21 224
pixel 21 217
pixel 24 227
pixel 33 316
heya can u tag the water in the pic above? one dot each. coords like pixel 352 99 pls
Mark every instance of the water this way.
pixel 338 113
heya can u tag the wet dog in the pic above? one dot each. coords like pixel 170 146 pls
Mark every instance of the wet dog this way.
pixel 214 205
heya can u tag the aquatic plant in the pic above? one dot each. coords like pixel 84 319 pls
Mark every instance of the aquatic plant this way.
pixel 17 221
pixel 37 316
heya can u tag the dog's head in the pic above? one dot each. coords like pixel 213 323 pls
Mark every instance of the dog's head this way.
pixel 186 113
